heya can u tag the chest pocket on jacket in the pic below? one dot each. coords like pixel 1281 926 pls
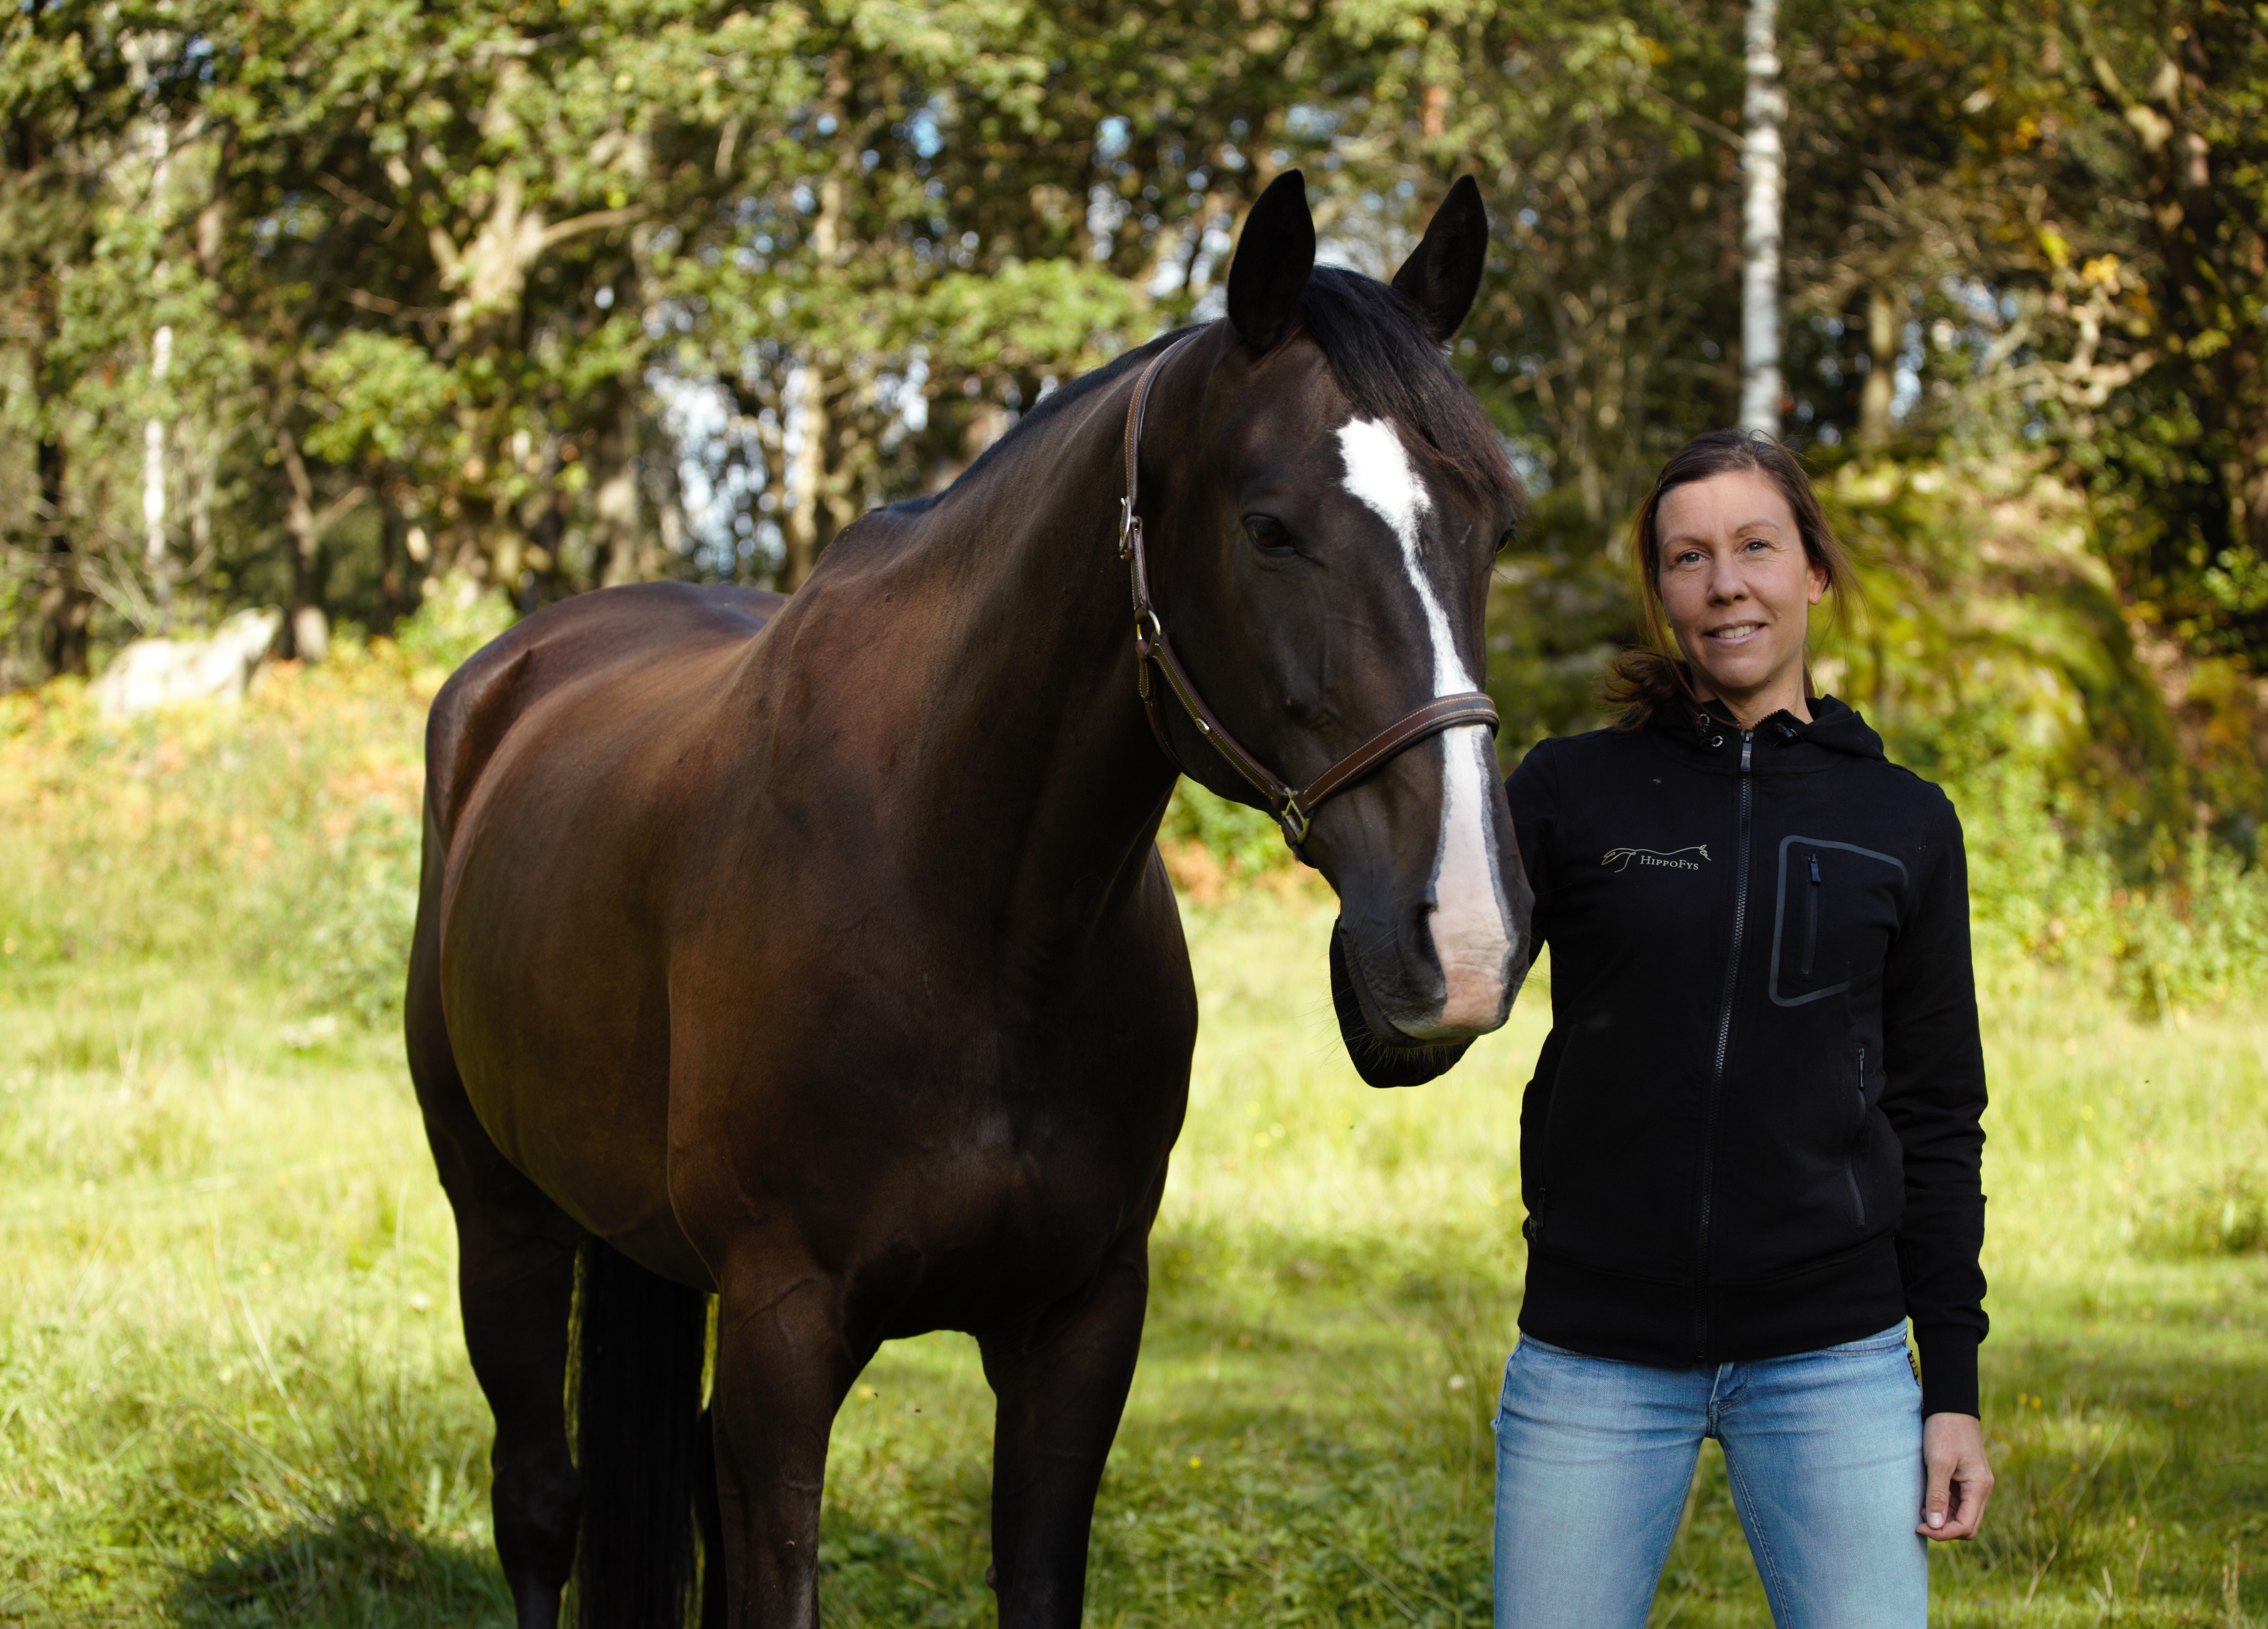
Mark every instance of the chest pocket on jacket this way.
pixel 1836 910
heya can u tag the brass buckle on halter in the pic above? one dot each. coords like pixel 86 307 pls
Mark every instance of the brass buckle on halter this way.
pixel 1294 821
pixel 1149 632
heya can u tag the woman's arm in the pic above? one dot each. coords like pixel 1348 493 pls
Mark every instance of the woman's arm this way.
pixel 1933 1097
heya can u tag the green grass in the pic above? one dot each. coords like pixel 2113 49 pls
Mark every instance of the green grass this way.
pixel 233 1391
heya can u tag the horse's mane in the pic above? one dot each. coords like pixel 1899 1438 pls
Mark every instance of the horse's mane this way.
pixel 1043 412
pixel 1381 356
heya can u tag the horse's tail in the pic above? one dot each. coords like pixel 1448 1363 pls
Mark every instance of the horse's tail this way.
pixel 642 1445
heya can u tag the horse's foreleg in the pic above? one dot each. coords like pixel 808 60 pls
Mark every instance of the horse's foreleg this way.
pixel 783 1364
pixel 1062 1383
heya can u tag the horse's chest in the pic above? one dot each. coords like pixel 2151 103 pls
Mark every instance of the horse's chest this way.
pixel 980 1225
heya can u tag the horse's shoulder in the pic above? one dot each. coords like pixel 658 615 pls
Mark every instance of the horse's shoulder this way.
pixel 562 644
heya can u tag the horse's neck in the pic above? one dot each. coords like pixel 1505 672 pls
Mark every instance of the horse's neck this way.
pixel 1035 736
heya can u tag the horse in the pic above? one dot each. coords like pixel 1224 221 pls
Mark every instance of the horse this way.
pixel 816 954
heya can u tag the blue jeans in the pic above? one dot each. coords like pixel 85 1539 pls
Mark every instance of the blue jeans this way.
pixel 1822 1449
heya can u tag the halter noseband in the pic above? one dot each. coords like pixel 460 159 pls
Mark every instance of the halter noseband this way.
pixel 1294 809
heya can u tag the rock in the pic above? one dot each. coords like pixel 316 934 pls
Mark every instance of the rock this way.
pixel 154 673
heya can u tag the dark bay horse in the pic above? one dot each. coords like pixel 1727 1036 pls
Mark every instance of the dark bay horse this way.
pixel 816 956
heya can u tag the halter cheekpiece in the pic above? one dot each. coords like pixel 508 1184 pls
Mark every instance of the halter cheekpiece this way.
pixel 1294 809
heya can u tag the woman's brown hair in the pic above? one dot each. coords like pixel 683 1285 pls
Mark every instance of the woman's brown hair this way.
pixel 1653 676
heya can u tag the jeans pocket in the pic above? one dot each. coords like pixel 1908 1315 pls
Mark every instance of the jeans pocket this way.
pixel 1891 1339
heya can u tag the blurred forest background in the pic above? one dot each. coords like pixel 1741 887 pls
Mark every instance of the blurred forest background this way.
pixel 379 310
pixel 405 318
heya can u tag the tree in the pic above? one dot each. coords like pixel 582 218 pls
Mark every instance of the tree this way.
pixel 1763 113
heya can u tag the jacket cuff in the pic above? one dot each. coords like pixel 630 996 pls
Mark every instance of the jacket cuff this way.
pixel 1948 1368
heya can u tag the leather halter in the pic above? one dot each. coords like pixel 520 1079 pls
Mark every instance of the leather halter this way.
pixel 1293 809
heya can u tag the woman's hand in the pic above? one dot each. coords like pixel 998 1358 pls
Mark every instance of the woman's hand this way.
pixel 1960 1476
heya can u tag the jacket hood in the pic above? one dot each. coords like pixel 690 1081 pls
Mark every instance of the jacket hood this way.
pixel 1835 727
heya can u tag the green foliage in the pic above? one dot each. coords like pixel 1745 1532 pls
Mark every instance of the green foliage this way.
pixel 1242 842
pixel 545 299
pixel 456 620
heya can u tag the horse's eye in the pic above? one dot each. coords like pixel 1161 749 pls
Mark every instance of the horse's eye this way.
pixel 1506 542
pixel 1268 533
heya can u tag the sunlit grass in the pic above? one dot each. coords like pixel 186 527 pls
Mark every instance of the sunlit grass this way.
pixel 232 1386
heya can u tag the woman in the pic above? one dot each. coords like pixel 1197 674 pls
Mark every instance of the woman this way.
pixel 1750 1151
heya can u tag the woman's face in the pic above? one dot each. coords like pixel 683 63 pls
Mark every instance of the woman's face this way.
pixel 1738 589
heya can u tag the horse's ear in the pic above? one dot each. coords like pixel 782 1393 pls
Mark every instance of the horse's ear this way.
pixel 1275 253
pixel 1443 272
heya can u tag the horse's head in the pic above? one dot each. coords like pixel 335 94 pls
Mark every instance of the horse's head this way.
pixel 1334 516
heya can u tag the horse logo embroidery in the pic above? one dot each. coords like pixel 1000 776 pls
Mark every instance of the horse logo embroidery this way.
pixel 1619 859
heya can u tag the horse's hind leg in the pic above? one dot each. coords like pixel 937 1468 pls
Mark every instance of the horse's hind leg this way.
pixel 516 1281
pixel 1061 1380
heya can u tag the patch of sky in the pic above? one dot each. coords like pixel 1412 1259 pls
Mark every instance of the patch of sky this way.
pixel 1531 460
pixel 1373 237
pixel 714 486
pixel 1105 211
pixel 1110 139
pixel 905 397
pixel 925 131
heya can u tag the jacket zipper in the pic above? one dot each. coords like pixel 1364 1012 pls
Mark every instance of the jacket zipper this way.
pixel 1850 1168
pixel 1811 920
pixel 1724 1046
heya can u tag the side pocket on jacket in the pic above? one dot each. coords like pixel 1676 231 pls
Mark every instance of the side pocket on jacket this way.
pixel 1538 1216
pixel 1858 1141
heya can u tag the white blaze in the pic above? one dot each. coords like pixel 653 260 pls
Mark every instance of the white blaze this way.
pixel 1470 935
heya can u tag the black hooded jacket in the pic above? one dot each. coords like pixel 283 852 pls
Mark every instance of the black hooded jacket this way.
pixel 1754 1130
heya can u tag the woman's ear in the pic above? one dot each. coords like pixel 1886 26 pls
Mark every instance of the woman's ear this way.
pixel 1817 573
pixel 1274 255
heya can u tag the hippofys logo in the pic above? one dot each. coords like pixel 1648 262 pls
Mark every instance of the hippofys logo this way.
pixel 1676 859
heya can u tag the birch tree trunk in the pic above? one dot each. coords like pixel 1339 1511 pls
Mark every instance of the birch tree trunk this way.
pixel 1876 396
pixel 1763 163
pixel 153 489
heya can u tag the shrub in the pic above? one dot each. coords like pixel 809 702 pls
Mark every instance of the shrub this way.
pixel 278 837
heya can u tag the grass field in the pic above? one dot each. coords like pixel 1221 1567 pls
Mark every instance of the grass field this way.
pixel 233 1389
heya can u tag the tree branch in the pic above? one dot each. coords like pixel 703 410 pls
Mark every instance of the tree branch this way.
pixel 597 220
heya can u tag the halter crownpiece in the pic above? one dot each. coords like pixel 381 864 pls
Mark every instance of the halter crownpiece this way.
pixel 1293 809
